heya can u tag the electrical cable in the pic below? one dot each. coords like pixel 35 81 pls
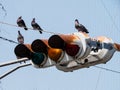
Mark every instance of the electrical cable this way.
pixel 28 28
pixel 1 85
pixel 11 41
pixel 100 73
pixel 107 69
pixel 2 7
pixel 98 80
pixel 20 27
pixel 109 15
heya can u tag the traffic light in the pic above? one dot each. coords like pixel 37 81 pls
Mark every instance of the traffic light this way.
pixel 24 50
pixel 68 52
pixel 58 49
pixel 74 45
pixel 41 46
pixel 64 42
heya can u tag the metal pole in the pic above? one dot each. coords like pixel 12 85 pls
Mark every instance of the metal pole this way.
pixel 14 69
pixel 13 62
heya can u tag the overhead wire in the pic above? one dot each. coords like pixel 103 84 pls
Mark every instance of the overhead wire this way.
pixel 107 69
pixel 11 41
pixel 100 74
pixel 98 80
pixel 2 7
pixel 1 88
pixel 109 15
pixel 28 28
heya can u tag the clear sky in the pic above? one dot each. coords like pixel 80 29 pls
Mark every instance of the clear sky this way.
pixel 101 17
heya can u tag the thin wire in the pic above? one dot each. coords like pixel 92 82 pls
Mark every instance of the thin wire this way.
pixel 109 15
pixel 98 80
pixel 107 69
pixel 1 85
pixel 28 28
pixel 11 41
pixel 20 27
pixel 2 7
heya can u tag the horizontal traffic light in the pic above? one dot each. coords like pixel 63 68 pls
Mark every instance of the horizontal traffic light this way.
pixel 69 43
pixel 68 52
pixel 24 50
pixel 41 46
pixel 60 41
pixel 57 49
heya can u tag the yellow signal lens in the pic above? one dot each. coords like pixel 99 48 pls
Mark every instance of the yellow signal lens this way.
pixel 55 54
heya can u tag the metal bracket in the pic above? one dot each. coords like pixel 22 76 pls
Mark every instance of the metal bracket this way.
pixel 15 68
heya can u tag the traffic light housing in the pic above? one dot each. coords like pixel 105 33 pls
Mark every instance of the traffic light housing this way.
pixel 57 50
pixel 24 50
pixel 41 45
pixel 73 45
pixel 68 52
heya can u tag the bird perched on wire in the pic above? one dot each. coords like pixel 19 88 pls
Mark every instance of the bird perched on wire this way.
pixel 80 27
pixel 20 38
pixel 36 26
pixel 21 23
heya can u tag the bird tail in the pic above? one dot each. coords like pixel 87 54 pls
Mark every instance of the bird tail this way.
pixel 19 33
pixel 25 28
pixel 40 31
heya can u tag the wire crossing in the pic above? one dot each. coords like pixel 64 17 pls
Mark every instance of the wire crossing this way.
pixel 112 19
pixel 19 27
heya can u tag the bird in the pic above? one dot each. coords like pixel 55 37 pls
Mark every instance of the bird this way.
pixel 36 26
pixel 20 38
pixel 80 27
pixel 21 23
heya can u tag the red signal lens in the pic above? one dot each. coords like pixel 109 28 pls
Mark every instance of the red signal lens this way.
pixel 72 49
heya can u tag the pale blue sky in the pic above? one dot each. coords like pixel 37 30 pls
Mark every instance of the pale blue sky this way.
pixel 101 17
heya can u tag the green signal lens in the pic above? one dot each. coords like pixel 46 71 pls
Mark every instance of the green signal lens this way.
pixel 38 58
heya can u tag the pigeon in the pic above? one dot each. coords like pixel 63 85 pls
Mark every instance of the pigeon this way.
pixel 80 27
pixel 36 26
pixel 20 41
pixel 21 23
pixel 20 38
